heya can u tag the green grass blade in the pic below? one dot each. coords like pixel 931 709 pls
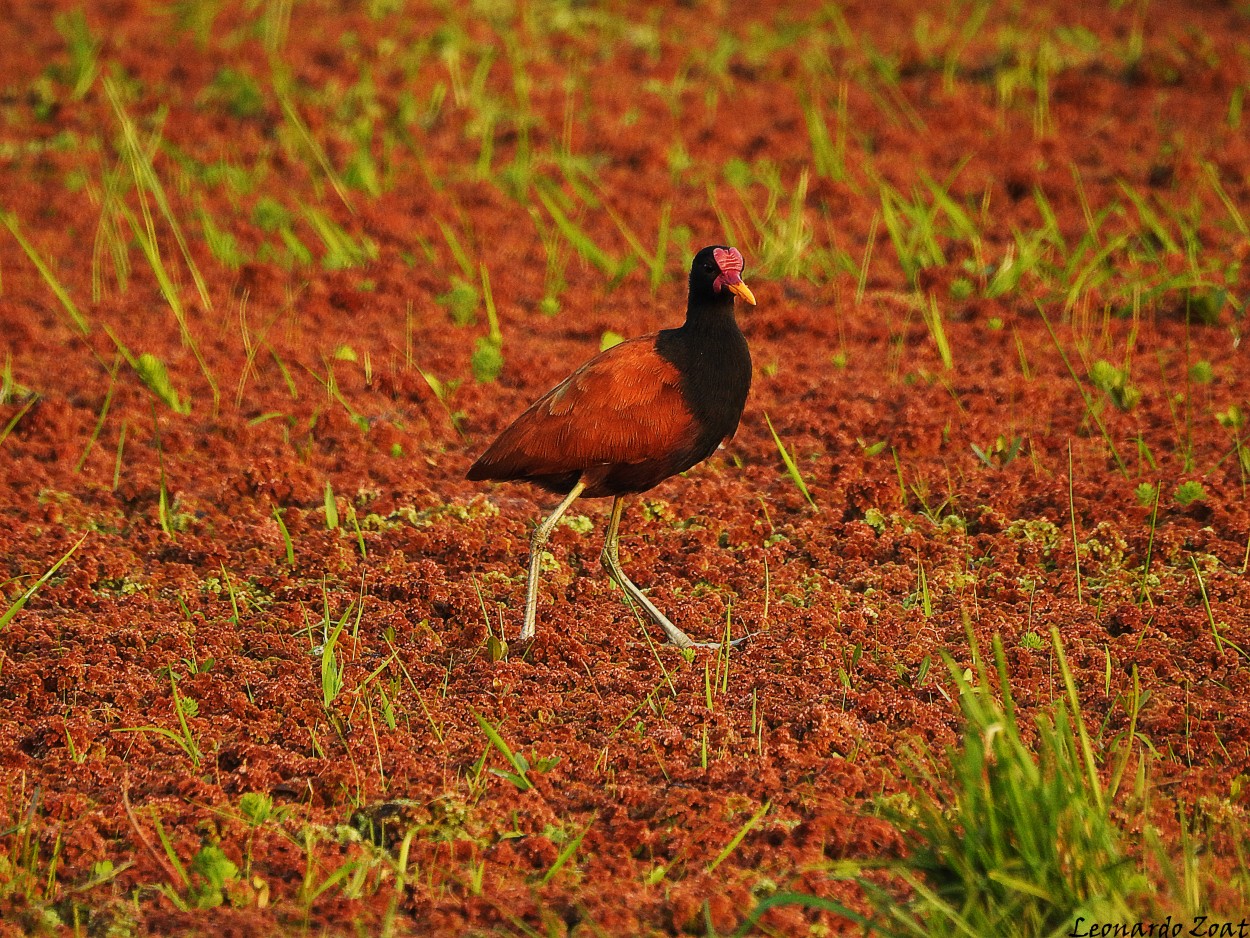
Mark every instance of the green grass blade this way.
pixel 791 466
pixel 286 536
pixel 104 412
pixel 932 314
pixel 21 601
pixel 1213 177
pixel 566 854
pixel 1089 404
pixel 17 418
pixel 332 508
pixel 799 899
pixel 457 249
pixel 492 316
pixel 521 779
pixel 188 740
pixel 147 180
pixel 170 852
pixel 310 142
pixel 576 236
pixel 739 836
pixel 80 321
pixel 1074 704
pixel 331 670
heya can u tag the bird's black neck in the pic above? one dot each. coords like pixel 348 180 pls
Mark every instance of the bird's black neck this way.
pixel 710 311
pixel 711 355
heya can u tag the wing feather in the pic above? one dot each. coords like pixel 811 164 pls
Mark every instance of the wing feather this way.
pixel 623 406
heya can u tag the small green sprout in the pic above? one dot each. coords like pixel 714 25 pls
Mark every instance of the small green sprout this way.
pixel 1201 372
pixel 1189 492
pixel 487 360
pixel 1114 382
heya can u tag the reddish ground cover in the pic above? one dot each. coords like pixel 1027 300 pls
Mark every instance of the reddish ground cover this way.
pixel 969 459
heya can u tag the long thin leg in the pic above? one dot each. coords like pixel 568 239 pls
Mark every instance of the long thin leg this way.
pixel 611 561
pixel 537 542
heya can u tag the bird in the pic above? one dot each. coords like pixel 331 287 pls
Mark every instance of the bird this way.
pixel 637 413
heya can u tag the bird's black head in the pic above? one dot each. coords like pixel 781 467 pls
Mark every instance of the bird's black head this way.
pixel 716 277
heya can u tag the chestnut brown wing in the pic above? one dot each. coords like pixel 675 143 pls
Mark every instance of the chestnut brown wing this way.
pixel 624 406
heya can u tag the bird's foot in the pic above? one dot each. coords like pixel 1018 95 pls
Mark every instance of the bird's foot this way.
pixel 676 636
pixel 679 638
pixel 714 646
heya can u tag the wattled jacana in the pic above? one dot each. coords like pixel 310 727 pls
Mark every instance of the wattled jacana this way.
pixel 632 416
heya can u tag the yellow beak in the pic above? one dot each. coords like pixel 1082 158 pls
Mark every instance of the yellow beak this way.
pixel 742 290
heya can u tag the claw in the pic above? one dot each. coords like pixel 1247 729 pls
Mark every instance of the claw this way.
pixel 712 646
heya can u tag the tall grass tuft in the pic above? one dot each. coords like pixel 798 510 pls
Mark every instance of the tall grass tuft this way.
pixel 1008 837
pixel 1018 839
